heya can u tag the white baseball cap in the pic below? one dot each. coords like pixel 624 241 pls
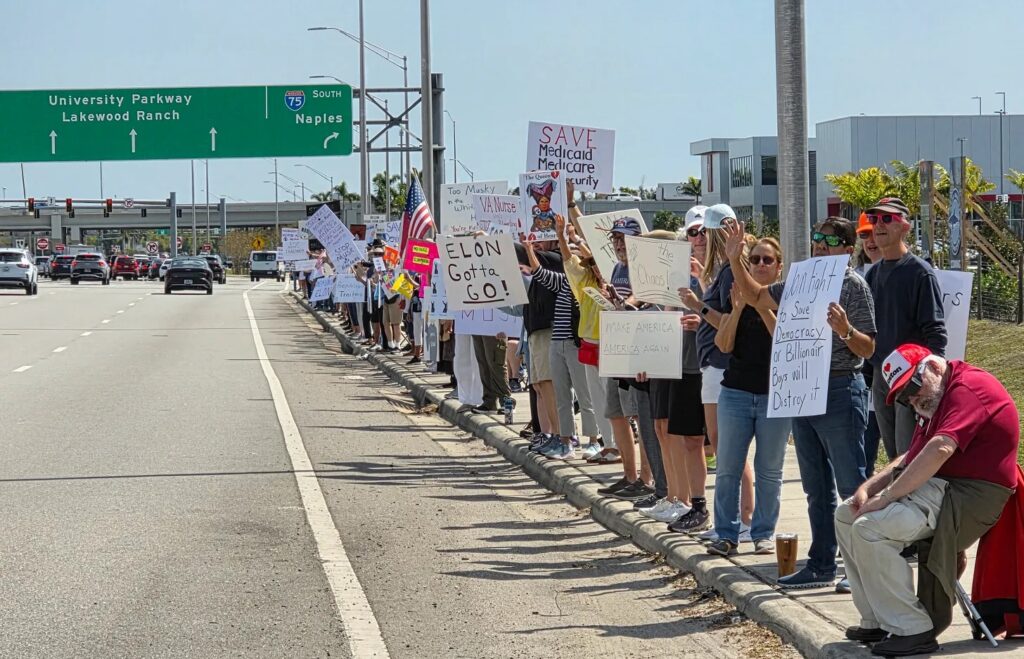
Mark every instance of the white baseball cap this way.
pixel 694 217
pixel 715 215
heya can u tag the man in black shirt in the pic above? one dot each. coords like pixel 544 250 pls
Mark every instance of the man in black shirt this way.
pixel 908 309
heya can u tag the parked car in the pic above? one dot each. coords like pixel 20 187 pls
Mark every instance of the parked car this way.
pixel 154 267
pixel 43 265
pixel 60 266
pixel 163 268
pixel 265 264
pixel 143 266
pixel 217 266
pixel 18 271
pixel 190 272
pixel 90 266
pixel 125 266
pixel 621 196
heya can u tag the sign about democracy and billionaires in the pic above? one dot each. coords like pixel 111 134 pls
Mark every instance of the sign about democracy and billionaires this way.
pixel 584 155
pixel 481 272
pixel 802 343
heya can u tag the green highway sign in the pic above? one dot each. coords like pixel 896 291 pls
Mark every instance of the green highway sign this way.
pixel 175 123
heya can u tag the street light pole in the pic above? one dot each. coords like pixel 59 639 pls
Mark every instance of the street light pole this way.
pixel 364 156
pixel 329 179
pixel 277 208
pixel 193 237
pixel 1002 113
pixel 427 104
pixel 207 162
pixel 455 150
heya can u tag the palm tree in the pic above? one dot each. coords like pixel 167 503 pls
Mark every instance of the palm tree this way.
pixel 791 101
pixel 692 187
pixel 341 190
pixel 862 189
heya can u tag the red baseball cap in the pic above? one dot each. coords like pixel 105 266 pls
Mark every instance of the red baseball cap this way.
pixel 900 365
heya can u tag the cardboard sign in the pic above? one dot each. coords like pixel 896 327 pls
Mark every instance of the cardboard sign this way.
pixel 543 195
pixel 379 226
pixel 802 344
pixel 599 299
pixel 435 297
pixel 481 272
pixel 586 155
pixel 403 286
pixel 658 269
pixel 641 342
pixel 323 289
pixel 419 255
pixel 306 265
pixel 500 214
pixel 456 205
pixel 488 322
pixel 432 344
pixel 348 289
pixel 379 265
pixel 956 290
pixel 288 233
pixel 595 232
pixel 335 237
pixel 391 256
pixel 294 250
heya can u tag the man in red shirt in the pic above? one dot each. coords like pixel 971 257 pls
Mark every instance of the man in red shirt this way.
pixel 964 451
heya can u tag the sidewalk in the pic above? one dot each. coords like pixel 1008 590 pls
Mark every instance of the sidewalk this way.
pixel 812 620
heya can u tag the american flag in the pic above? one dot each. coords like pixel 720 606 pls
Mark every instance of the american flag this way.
pixel 417 221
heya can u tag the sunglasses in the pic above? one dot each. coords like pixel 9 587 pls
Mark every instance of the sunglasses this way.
pixel 757 259
pixel 831 241
pixel 912 387
pixel 694 232
pixel 884 219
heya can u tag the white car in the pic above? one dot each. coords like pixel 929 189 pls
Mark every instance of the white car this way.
pixel 622 196
pixel 163 268
pixel 265 264
pixel 17 270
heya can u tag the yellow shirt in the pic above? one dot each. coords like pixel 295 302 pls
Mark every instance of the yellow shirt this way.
pixel 590 312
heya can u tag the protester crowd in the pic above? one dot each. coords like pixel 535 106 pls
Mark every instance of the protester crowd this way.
pixel 947 429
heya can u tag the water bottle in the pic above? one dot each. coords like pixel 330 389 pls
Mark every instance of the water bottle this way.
pixel 508 404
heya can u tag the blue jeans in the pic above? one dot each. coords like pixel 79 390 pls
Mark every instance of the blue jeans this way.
pixel 872 437
pixel 830 452
pixel 743 417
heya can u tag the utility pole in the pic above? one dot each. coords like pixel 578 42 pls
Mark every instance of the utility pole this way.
pixel 426 94
pixel 791 100
pixel 208 239
pixel 173 203
pixel 1002 113
pixel 364 156
pixel 193 247
pixel 277 210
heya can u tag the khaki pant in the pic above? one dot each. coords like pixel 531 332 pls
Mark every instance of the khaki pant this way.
pixel 881 580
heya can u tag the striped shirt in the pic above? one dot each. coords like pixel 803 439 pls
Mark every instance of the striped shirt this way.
pixel 557 283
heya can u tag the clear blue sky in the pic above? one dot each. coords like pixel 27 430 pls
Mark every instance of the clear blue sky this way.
pixel 661 73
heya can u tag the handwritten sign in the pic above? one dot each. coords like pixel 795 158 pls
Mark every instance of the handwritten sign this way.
pixel 391 255
pixel 335 237
pixel 348 289
pixel 658 269
pixel 457 204
pixel 288 233
pixel 500 214
pixel 956 290
pixel 419 255
pixel 487 322
pixel 388 231
pixel 481 272
pixel 586 155
pixel 306 265
pixel 323 289
pixel 379 265
pixel 432 344
pixel 595 232
pixel 543 195
pixel 641 341
pixel 802 344
pixel 599 299
pixel 294 250
pixel 435 297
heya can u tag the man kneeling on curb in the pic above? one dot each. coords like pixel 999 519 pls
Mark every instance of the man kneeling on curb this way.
pixel 947 490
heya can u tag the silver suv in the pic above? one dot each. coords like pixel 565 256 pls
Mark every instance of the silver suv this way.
pixel 18 271
pixel 90 266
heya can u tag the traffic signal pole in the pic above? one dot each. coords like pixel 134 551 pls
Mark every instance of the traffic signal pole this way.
pixel 173 203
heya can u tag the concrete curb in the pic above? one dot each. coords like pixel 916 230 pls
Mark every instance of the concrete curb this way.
pixel 814 635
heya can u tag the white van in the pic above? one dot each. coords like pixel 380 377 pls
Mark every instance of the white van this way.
pixel 265 264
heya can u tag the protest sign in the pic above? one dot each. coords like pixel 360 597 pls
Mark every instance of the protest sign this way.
pixel 306 265
pixel 403 286
pixel 641 341
pixel 391 255
pixel 658 269
pixel 956 290
pixel 802 344
pixel 348 289
pixel 288 233
pixel 481 272
pixel 543 195
pixel 435 299
pixel 294 250
pixel 419 255
pixel 432 344
pixel 323 289
pixel 595 232
pixel 456 205
pixel 487 322
pixel 499 214
pixel 378 226
pixel 585 155
pixel 599 299
pixel 379 265
pixel 335 237
pixel 360 246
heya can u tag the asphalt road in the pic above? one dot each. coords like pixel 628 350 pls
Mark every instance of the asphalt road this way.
pixel 151 509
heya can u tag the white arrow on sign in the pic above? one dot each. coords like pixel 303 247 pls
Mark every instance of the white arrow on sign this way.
pixel 133 134
pixel 53 142
pixel 332 136
pixel 213 139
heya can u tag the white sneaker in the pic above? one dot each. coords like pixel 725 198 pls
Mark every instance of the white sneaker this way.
pixel 745 533
pixel 708 536
pixel 674 511
pixel 659 507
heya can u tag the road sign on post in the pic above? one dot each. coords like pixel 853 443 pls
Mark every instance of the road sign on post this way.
pixel 258 243
pixel 43 244
pixel 59 248
pixel 152 247
pixel 176 123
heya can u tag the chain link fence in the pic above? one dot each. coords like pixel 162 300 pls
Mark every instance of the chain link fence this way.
pixel 997 296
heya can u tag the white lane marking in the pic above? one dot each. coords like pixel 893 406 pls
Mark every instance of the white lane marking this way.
pixel 361 628
pixel 60 349
pixel 105 321
pixel 86 333
pixel 22 369
pixel 13 303
pixel 53 292
pixel 120 311
pixel 131 304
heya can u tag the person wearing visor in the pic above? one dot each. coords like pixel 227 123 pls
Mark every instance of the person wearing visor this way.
pixel 908 309
pixel 943 494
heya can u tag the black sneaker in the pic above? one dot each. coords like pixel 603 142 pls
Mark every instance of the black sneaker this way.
pixel 905 646
pixel 635 490
pixel 691 522
pixel 722 547
pixel 646 502
pixel 414 360
pixel 618 485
